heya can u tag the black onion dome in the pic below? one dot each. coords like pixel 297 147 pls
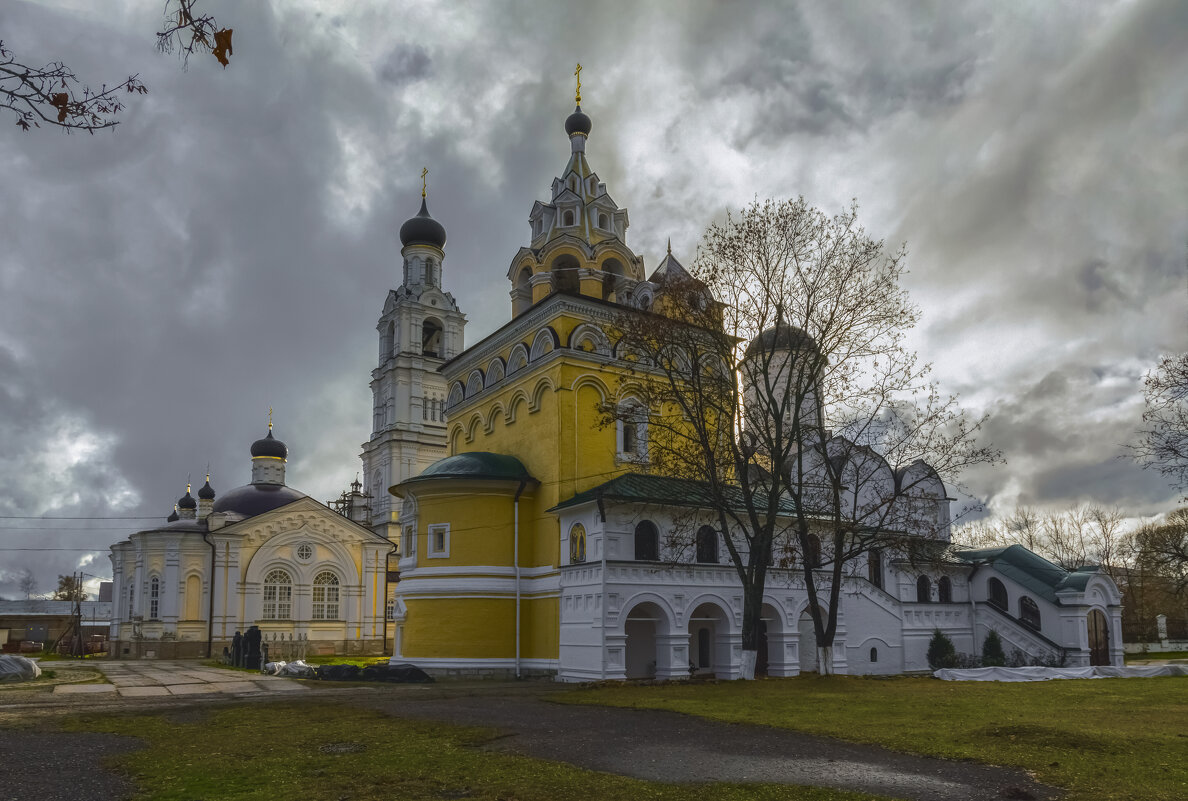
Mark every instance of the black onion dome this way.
pixel 578 123
pixel 782 337
pixel 207 492
pixel 268 447
pixel 187 501
pixel 423 230
pixel 253 499
pixel 173 517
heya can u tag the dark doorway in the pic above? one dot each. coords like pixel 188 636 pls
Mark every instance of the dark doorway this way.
pixel 1099 638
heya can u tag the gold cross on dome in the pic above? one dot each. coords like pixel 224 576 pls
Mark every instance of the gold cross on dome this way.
pixel 578 94
pixel 269 418
pixel 424 180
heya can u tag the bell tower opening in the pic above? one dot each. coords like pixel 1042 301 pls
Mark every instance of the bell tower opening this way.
pixel 431 338
pixel 565 275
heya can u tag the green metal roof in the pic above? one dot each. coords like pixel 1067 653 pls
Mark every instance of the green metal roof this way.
pixel 1031 570
pixel 476 465
pixel 641 488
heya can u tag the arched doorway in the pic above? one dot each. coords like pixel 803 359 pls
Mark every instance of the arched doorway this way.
pixel 643 623
pixel 1099 638
pixel 708 628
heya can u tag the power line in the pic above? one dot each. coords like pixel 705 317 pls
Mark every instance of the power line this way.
pixel 115 517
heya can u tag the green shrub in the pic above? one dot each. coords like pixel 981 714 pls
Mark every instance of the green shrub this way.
pixel 941 653
pixel 992 653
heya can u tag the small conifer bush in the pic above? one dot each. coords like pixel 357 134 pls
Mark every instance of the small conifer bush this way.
pixel 941 653
pixel 992 653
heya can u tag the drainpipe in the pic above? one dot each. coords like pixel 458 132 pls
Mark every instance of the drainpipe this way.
pixel 516 564
pixel 973 609
pixel 210 608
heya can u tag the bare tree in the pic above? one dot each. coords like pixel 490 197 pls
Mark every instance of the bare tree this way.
pixel 1164 548
pixel 1082 535
pixel 1163 439
pixel 27 583
pixel 53 94
pixel 187 31
pixel 775 378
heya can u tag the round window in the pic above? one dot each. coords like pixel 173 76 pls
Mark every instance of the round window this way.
pixel 304 551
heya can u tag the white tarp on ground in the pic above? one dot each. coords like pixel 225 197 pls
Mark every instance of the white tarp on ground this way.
pixel 17 668
pixel 1047 673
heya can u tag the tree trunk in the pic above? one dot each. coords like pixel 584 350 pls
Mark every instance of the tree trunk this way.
pixel 825 661
pixel 747 668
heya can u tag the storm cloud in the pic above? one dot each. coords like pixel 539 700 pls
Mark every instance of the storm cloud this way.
pixel 229 245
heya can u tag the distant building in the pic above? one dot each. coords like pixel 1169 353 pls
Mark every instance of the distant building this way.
pixel 261 554
pixel 39 621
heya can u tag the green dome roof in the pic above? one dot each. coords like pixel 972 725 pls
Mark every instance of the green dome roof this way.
pixel 479 464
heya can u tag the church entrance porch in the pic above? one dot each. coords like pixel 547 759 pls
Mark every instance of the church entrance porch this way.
pixel 709 642
pixel 1099 638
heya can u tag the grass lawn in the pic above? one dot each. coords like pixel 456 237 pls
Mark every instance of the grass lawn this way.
pixel 1100 738
pixel 1156 655
pixel 321 751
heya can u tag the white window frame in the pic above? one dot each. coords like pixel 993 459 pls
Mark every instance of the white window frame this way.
pixel 444 551
pixel 326 597
pixel 281 600
pixel 154 598
pixel 408 542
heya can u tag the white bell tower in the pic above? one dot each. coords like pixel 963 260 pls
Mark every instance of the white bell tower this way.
pixel 419 330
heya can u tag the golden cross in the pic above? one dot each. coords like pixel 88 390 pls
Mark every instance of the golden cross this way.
pixel 578 94
pixel 424 180
pixel 269 418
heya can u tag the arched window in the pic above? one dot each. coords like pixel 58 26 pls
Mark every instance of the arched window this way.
pixel 564 274
pixel 577 544
pixel 154 598
pixel 632 430
pixel 431 338
pixel 923 590
pixel 944 590
pixel 131 600
pixel 812 556
pixel 522 291
pixel 707 545
pixel 647 541
pixel 998 594
pixel 603 221
pixel 278 595
pixel 388 342
pixel 703 648
pixel 874 655
pixel 325 596
pixel 874 568
pixel 390 609
pixel 1029 613
pixel 567 218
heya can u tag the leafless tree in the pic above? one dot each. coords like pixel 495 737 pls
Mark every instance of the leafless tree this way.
pixel 52 94
pixel 187 31
pixel 1163 439
pixel 776 380
pixel 1082 535
pixel 1164 548
pixel 27 583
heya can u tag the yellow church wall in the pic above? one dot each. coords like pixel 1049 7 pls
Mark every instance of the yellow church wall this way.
pixel 481 523
pixel 540 620
pixel 460 628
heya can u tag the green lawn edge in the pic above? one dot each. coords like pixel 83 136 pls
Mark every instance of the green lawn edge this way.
pixel 313 749
pixel 1101 739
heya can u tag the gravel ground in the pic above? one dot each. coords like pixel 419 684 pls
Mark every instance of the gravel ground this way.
pixel 61 766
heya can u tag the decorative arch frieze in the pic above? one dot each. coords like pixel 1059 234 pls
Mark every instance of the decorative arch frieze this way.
pixel 474 384
pixel 517 360
pixel 545 342
pixel 495 372
pixel 590 337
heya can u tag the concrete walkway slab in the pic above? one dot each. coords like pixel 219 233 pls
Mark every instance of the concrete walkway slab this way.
pixel 142 692
pixel 190 689
pixel 84 689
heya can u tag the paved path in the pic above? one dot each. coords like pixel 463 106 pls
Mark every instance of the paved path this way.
pixel 147 679
pixel 670 747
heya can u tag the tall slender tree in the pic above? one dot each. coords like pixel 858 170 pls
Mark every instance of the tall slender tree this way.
pixel 775 377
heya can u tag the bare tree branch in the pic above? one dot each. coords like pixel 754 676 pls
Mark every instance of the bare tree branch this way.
pixel 186 32
pixel 52 94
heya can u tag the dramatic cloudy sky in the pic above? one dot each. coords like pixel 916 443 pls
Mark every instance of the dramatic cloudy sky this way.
pixel 229 246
